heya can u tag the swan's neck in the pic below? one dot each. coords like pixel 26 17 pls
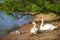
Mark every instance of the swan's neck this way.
pixel 41 23
pixel 34 25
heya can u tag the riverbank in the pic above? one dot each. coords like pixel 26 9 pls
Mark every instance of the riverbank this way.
pixel 44 35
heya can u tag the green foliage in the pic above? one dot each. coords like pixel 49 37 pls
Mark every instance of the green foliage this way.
pixel 41 6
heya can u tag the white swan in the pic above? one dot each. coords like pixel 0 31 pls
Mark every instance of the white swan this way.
pixel 46 26
pixel 17 32
pixel 34 30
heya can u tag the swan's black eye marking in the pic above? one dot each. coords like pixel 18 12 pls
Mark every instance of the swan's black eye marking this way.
pixel 41 17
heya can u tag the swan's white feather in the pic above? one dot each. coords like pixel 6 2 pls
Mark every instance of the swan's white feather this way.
pixel 48 27
pixel 34 30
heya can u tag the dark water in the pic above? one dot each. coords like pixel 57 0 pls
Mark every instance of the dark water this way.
pixel 7 22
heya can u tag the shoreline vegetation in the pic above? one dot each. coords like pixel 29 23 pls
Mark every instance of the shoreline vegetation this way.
pixel 26 6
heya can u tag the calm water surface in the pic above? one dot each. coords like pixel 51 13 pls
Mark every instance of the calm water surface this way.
pixel 7 22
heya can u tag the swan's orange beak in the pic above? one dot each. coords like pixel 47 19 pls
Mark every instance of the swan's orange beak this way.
pixel 40 17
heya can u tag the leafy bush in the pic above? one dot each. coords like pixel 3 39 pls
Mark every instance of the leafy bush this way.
pixel 41 6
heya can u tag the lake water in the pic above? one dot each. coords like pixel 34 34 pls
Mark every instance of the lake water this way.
pixel 7 22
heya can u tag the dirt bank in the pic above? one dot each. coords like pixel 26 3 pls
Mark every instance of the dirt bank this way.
pixel 44 35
